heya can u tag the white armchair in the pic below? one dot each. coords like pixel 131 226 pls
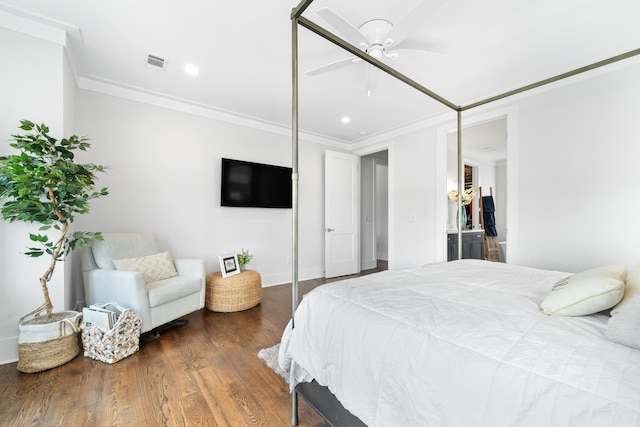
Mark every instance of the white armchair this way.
pixel 156 302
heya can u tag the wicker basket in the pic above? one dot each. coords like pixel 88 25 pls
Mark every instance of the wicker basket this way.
pixel 46 343
pixel 118 342
pixel 236 293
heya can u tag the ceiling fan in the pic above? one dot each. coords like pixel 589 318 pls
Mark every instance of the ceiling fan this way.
pixel 379 38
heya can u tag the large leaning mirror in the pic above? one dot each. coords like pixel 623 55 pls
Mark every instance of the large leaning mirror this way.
pixel 484 196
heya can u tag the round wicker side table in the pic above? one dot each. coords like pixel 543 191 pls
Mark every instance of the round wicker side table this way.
pixel 236 293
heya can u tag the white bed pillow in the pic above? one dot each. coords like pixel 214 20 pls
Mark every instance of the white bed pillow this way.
pixel 631 288
pixel 153 267
pixel 586 292
pixel 624 327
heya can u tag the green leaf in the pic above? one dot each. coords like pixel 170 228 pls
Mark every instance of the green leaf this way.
pixel 39 237
pixel 34 252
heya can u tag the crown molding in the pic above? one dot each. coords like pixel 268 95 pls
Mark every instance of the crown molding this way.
pixel 19 21
pixel 133 93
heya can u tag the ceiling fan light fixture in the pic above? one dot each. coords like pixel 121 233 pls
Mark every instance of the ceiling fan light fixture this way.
pixel 376 52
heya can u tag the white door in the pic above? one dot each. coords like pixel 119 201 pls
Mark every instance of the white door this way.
pixel 341 214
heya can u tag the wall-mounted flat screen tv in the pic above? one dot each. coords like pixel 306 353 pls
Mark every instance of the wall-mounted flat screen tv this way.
pixel 255 185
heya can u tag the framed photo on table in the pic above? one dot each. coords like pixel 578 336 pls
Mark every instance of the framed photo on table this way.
pixel 229 265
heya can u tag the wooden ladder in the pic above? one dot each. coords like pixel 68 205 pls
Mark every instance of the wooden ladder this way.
pixel 489 244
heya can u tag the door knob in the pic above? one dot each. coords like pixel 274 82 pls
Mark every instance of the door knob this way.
pixel 329 230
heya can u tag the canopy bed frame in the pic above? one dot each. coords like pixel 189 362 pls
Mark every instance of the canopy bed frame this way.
pixel 319 397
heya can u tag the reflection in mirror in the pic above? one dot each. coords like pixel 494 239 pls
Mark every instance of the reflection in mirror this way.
pixel 470 186
pixel 484 156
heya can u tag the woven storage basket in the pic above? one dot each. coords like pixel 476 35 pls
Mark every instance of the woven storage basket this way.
pixel 236 293
pixel 44 344
pixel 118 342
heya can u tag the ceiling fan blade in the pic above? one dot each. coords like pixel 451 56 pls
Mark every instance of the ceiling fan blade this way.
pixel 348 31
pixel 417 45
pixel 333 66
pixel 418 16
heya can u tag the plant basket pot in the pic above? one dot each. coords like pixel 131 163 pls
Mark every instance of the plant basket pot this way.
pixel 47 342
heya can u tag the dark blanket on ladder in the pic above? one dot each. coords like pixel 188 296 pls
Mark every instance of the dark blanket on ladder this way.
pixel 490 246
pixel 488 212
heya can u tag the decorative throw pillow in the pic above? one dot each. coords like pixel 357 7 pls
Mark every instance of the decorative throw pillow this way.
pixel 153 267
pixel 624 327
pixel 586 292
pixel 631 288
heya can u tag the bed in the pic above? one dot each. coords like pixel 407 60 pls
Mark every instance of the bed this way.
pixel 462 343
pixel 452 344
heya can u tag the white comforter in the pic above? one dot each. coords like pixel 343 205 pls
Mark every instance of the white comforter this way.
pixel 461 344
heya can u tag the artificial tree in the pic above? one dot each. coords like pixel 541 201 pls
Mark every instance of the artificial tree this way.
pixel 43 184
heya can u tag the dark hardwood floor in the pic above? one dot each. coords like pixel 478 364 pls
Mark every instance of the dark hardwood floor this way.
pixel 206 373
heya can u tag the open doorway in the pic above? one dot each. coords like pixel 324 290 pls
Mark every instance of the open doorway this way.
pixel 374 210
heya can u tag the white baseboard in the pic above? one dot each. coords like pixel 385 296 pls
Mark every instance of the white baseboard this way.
pixel 8 350
pixel 282 278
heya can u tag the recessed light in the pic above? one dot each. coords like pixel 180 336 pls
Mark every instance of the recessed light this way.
pixel 191 69
pixel 345 119
pixel 363 132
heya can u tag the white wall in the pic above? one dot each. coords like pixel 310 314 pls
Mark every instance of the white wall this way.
pixel 69 125
pixel 416 227
pixel 578 151
pixel 164 176
pixel 31 84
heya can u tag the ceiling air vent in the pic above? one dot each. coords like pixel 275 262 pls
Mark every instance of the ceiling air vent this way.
pixel 156 62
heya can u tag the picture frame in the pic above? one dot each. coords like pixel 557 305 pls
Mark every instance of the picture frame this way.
pixel 229 265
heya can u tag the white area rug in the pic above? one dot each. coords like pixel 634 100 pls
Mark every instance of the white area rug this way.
pixel 270 358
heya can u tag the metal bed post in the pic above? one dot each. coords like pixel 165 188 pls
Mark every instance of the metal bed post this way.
pixel 294 183
pixel 295 14
pixel 460 183
pixel 294 174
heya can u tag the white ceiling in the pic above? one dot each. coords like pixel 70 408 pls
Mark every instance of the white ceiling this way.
pixel 243 50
